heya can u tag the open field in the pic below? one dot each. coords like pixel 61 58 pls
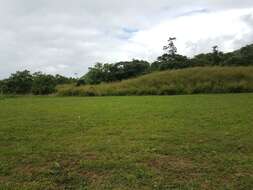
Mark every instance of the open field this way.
pixel 198 80
pixel 170 142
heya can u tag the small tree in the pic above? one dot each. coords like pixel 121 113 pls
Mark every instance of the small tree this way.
pixel 217 55
pixel 95 74
pixel 171 48
pixel 215 49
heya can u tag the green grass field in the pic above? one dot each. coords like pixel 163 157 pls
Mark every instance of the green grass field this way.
pixel 161 142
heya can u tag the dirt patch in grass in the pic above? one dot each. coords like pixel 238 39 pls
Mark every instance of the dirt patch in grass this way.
pixel 3 179
pixel 180 171
pixel 173 162
pixel 30 169
pixel 90 156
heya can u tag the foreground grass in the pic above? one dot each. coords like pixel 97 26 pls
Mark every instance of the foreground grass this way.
pixel 183 81
pixel 177 142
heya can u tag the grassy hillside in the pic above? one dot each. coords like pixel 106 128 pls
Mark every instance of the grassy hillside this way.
pixel 200 142
pixel 184 81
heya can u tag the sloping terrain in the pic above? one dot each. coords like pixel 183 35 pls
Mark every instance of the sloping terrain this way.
pixel 183 81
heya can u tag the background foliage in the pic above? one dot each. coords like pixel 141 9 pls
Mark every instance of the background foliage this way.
pixel 23 82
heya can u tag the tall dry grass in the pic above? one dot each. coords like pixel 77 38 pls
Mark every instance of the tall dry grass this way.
pixel 184 81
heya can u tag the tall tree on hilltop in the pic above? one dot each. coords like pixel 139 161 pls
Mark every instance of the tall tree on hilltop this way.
pixel 171 48
pixel 216 56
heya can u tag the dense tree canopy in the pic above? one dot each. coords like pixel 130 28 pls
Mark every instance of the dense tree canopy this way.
pixel 18 83
pixel 23 82
pixel 43 84
pixel 169 61
pixel 241 57
pixel 115 72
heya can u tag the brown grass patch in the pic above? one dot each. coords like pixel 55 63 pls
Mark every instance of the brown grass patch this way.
pixel 31 169
pixel 167 162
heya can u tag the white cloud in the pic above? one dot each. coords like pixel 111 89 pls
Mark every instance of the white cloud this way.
pixel 195 33
pixel 66 37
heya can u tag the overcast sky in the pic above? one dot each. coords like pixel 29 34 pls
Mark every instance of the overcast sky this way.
pixel 66 37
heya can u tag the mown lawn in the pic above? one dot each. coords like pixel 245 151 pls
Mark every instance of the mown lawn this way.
pixel 170 142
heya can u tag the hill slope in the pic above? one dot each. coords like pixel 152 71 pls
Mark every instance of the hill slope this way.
pixel 184 81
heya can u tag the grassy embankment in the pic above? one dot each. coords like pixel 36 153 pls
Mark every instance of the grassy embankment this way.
pixel 178 142
pixel 184 81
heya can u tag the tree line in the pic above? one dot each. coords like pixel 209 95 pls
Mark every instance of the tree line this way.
pixel 23 82
pixel 170 60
